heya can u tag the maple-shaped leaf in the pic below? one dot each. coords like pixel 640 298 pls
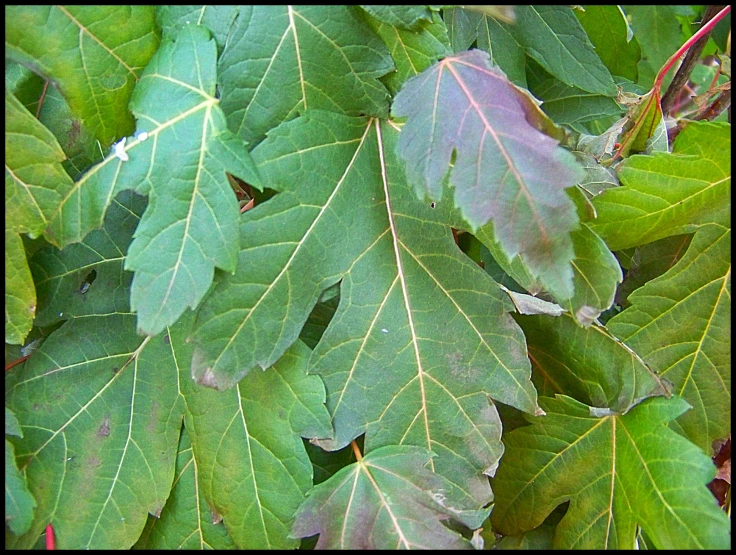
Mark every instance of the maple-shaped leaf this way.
pixel 179 157
pixel 421 338
pixel 35 183
pixel 618 472
pixel 386 500
pixel 669 194
pixel 505 170
pixel 218 19
pixel 679 323
pixel 590 364
pixel 94 53
pixel 281 60
pixel 98 451
pixel 253 465
pixel 186 522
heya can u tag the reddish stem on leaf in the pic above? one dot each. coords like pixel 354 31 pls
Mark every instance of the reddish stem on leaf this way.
pixel 685 47
pixel 358 456
pixel 10 365
pixel 40 101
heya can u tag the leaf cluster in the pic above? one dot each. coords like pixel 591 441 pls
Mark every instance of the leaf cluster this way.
pixel 355 277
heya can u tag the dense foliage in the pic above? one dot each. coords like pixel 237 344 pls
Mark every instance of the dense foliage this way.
pixel 367 277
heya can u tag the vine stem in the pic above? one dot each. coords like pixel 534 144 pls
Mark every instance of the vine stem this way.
pixel 356 450
pixel 16 362
pixel 685 47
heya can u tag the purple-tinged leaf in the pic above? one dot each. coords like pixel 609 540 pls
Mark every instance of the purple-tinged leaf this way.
pixel 506 170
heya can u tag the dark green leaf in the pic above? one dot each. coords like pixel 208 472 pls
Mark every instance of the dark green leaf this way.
pixel 283 60
pixel 218 19
pixel 462 27
pixel 657 31
pixel 19 503
pixel 610 34
pixel 505 52
pixel 403 17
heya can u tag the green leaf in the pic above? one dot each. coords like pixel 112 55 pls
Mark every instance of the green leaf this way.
pixel 565 104
pixel 680 325
pixel 617 472
pixel 412 51
pixel 218 19
pixel 253 466
pixel 610 34
pixel 658 33
pixel 596 274
pixel 98 449
pixel 651 261
pixel 462 27
pixel 88 277
pixel 598 178
pixel 669 194
pixel 283 60
pixel 19 503
pixel 179 157
pixel 20 294
pixel 524 172
pixel 94 53
pixel 553 37
pixel 185 521
pixel 25 85
pixel 35 181
pixel 387 500
pixel 403 17
pixel 405 285
pixel 588 364
pixel 505 52
pixel 539 539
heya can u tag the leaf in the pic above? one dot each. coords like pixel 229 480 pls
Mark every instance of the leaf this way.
pixel 98 450
pixel 524 172
pixel 642 125
pixel 589 364
pixel 596 274
pixel 462 27
pixel 254 470
pixel 419 328
pixel 553 37
pixel 613 39
pixel 412 51
pixel 387 500
pixel 283 60
pixel 25 85
pixel 19 503
pixel 185 521
pixel 218 19
pixel 35 181
pixel 403 17
pixel 94 53
pixel 566 105
pixel 20 294
pixel 651 261
pixel 617 472
pixel 658 33
pixel 179 157
pixel 680 325
pixel 598 178
pixel 88 277
pixel 505 52
pixel 668 194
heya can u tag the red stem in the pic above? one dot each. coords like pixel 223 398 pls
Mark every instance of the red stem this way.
pixel 9 365
pixel 358 456
pixel 685 47
pixel 50 540
pixel 40 101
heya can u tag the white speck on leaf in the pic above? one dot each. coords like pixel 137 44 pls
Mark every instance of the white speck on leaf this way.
pixel 142 136
pixel 384 330
pixel 120 150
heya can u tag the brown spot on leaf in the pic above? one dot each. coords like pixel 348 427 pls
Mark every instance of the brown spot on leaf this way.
pixel 104 430
pixel 167 340
pixel 216 517
pixel 115 369
pixel 208 379
pixel 157 512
